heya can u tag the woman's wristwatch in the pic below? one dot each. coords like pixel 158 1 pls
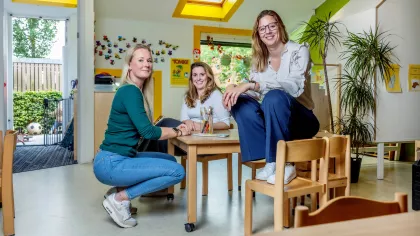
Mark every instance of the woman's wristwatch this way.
pixel 177 131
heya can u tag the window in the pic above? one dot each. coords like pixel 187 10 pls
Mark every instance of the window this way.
pixel 230 62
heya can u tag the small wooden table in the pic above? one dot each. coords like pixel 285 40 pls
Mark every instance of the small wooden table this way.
pixel 195 145
pixel 406 224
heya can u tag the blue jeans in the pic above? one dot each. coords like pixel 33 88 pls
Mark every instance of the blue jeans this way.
pixel 261 126
pixel 145 173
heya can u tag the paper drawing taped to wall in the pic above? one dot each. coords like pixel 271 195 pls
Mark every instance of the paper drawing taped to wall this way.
pixel 414 78
pixel 179 71
pixel 392 82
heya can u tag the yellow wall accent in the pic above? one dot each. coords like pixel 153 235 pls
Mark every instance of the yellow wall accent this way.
pixel 52 3
pixel 157 103
pixel 198 30
pixel 157 87
pixel 223 13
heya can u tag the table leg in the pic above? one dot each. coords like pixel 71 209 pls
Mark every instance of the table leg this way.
pixel 229 172
pixel 380 165
pixel 191 188
pixel 239 171
pixel 171 190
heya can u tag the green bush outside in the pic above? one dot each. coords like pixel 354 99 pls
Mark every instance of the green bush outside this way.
pixel 29 107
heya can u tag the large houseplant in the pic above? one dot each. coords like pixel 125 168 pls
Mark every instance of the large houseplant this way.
pixel 368 55
pixel 322 34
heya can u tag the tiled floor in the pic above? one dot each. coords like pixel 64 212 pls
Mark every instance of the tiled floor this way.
pixel 68 201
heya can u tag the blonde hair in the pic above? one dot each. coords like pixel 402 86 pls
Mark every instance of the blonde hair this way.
pixel 191 95
pixel 259 50
pixel 147 90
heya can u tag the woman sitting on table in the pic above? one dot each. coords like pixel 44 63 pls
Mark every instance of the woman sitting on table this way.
pixel 118 163
pixel 203 92
pixel 276 103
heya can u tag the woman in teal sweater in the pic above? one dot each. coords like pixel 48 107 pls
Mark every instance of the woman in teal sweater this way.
pixel 130 122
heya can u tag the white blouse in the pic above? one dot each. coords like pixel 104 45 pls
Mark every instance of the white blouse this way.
pixel 293 75
pixel 215 100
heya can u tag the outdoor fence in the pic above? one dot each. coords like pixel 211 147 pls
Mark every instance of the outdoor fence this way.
pixel 36 74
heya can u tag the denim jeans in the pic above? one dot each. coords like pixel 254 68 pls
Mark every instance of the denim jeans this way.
pixel 261 126
pixel 145 173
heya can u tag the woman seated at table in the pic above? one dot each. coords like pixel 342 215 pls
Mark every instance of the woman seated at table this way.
pixel 203 92
pixel 118 163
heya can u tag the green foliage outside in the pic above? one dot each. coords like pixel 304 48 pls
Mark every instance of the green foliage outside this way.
pixel 233 72
pixel 29 107
pixel 32 37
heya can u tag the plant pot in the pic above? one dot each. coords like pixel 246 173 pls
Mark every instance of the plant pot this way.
pixel 356 163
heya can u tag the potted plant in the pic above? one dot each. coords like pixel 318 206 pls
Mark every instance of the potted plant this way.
pixel 366 54
pixel 322 34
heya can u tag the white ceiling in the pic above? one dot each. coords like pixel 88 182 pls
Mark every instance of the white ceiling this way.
pixel 293 12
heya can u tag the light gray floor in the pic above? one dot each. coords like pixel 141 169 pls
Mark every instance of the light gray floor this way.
pixel 68 201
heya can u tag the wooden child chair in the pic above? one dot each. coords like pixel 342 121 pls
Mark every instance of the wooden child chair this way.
pixel 6 181
pixel 293 151
pixel 339 180
pixel 349 208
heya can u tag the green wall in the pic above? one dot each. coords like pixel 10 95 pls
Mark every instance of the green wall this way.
pixel 323 10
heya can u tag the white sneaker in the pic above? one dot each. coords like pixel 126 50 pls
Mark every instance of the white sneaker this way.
pixel 119 211
pixel 268 170
pixel 289 174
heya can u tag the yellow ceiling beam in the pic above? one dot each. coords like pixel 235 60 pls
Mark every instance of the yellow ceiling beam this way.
pixel 51 3
pixel 202 11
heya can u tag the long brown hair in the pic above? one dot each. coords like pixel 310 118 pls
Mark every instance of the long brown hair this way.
pixel 259 50
pixel 148 83
pixel 191 95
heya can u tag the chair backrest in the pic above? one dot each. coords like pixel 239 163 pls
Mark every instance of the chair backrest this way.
pixel 8 147
pixel 9 131
pixel 303 151
pixel 349 208
pixel 340 149
pixel 1 149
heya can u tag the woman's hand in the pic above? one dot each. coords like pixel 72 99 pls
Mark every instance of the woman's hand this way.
pixel 184 130
pixel 196 126
pixel 189 124
pixel 232 93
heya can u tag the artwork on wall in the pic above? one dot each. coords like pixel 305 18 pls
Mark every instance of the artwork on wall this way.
pixel 414 78
pixel 180 72
pixel 196 53
pixel 393 84
pixel 319 78
pixel 113 50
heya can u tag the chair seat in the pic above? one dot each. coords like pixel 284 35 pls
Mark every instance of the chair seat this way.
pixel 335 180
pixel 297 187
pixel 258 164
